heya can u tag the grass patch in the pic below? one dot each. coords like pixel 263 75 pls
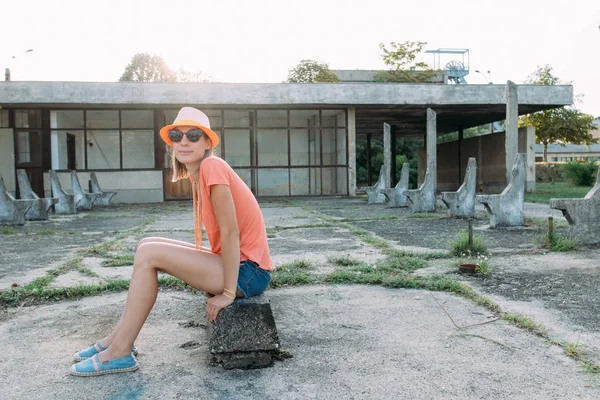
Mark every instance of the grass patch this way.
pixel 87 272
pixel 558 243
pixel 590 367
pixel 73 263
pixel 431 255
pixel 8 230
pixel 345 261
pixel 403 263
pixel 119 260
pixel 546 191
pixel 271 233
pixel 39 283
pixel 460 247
pixel 296 266
pixel 526 323
pixel 39 295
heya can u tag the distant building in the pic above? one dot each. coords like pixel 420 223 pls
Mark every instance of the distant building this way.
pixel 596 132
pixel 570 152
pixel 282 139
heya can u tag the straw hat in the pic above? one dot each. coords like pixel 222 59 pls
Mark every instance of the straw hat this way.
pixel 189 116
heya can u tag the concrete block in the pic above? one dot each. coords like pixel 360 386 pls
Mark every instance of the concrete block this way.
pixel 103 197
pixel 66 202
pixel 583 214
pixel 12 211
pixel 397 195
pixel 374 194
pixel 506 208
pixel 462 202
pixel 83 200
pixel 244 335
pixel 423 198
pixel 39 210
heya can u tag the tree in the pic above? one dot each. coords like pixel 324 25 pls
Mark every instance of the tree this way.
pixel 184 75
pixel 560 125
pixel 308 71
pixel 144 67
pixel 400 59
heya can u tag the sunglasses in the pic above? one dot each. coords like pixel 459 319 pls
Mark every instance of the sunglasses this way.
pixel 193 135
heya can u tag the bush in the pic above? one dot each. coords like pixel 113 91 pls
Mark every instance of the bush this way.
pixel 581 173
pixel 548 172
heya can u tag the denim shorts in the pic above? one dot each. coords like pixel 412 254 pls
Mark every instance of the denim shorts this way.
pixel 252 280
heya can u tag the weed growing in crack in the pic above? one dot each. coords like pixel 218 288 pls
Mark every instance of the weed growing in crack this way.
pixel 461 247
pixel 524 322
pixel 557 242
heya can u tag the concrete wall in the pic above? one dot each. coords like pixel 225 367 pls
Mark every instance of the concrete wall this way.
pixel 131 186
pixel 7 166
pixel 489 152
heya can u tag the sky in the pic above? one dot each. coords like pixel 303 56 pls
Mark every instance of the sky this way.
pixel 260 40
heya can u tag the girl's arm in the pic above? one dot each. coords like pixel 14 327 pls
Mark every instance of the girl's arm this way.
pixel 222 202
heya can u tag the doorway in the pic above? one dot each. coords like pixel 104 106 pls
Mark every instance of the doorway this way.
pixel 71 160
pixel 28 147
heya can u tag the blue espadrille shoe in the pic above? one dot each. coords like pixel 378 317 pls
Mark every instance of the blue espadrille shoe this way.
pixel 95 349
pixel 93 366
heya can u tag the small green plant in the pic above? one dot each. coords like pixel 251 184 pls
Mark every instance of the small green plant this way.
pixel 460 247
pixel 483 268
pixel 574 350
pixel 556 242
pixel 345 261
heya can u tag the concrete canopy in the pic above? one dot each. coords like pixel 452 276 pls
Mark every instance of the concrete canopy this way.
pixel 401 105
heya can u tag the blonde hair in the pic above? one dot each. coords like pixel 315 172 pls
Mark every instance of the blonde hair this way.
pixel 180 171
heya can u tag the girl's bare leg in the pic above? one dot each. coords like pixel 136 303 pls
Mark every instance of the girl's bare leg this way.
pixel 106 341
pixel 203 270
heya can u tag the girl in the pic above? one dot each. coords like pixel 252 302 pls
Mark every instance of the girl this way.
pixel 236 265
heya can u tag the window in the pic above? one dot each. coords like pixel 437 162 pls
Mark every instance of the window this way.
pixel 4 122
pixel 102 139
pixel 28 119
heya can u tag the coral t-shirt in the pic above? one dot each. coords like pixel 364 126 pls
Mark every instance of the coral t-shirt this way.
pixel 251 225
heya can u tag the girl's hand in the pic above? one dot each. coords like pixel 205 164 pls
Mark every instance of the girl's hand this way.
pixel 215 304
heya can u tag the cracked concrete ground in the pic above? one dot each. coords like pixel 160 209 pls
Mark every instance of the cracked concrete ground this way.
pixel 348 341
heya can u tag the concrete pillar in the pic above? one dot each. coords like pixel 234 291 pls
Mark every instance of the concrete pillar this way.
pixel 527 146
pixel 7 155
pixel 387 153
pixel 432 144
pixel 352 151
pixel 512 119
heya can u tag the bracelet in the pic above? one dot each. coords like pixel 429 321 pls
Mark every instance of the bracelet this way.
pixel 228 296
pixel 229 291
